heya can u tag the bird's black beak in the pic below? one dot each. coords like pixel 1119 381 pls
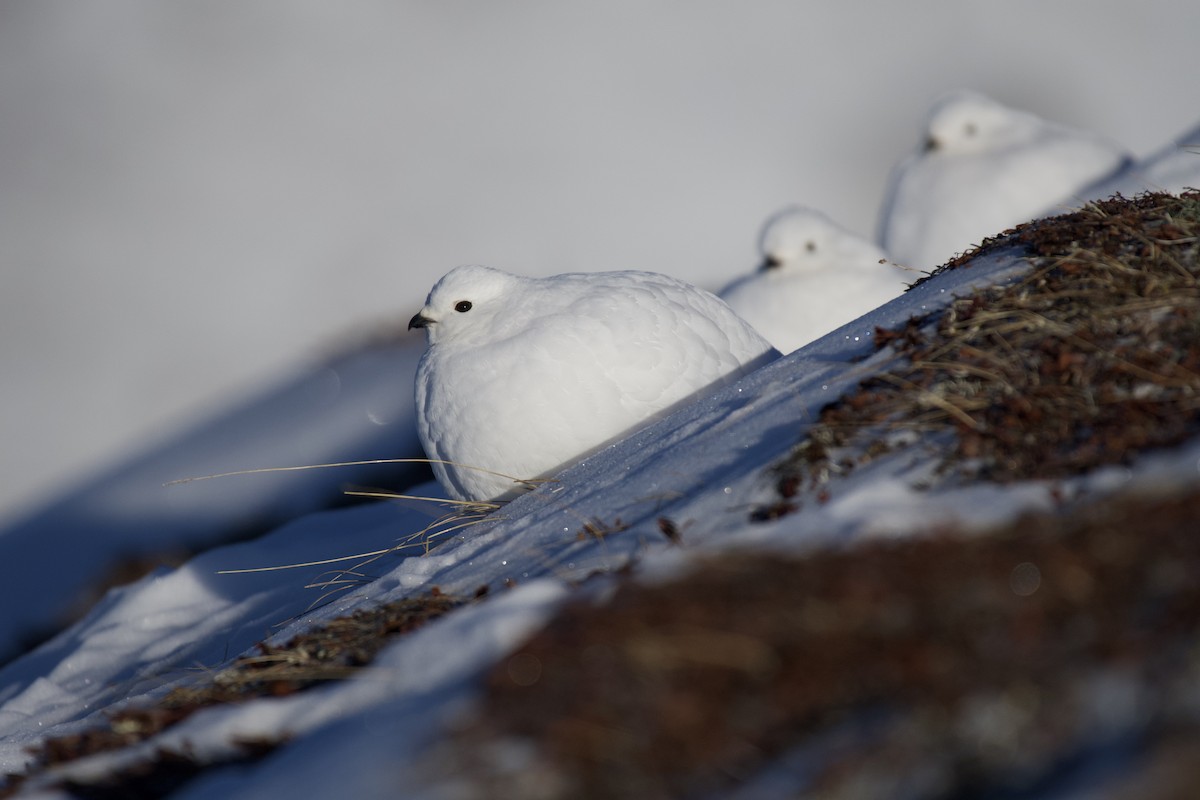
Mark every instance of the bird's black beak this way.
pixel 769 263
pixel 418 321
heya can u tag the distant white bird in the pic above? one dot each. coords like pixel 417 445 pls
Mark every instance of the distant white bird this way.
pixel 984 168
pixel 523 376
pixel 814 277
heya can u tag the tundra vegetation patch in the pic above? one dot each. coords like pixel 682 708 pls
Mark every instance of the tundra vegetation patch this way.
pixel 1091 358
pixel 939 666
pixel 333 651
pixel 942 665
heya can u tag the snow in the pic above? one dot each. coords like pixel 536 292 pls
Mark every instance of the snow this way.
pixel 701 466
pixel 1173 168
pixel 194 202
pixel 358 405
pixel 165 317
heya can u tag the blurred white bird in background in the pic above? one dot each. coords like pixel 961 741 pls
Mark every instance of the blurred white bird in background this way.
pixel 524 376
pixel 985 167
pixel 814 277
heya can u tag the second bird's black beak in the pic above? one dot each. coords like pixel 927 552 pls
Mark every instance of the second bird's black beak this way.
pixel 418 321
pixel 769 263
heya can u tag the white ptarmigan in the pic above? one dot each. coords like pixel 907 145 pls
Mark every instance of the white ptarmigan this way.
pixel 984 168
pixel 524 376
pixel 814 277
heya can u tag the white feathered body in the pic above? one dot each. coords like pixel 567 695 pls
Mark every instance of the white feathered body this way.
pixel 1009 167
pixel 794 309
pixel 816 276
pixel 548 370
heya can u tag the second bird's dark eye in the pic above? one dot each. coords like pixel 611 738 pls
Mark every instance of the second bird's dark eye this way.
pixel 462 306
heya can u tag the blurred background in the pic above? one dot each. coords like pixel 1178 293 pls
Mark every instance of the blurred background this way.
pixel 197 197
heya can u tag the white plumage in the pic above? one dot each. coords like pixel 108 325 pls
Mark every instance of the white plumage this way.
pixel 524 376
pixel 984 168
pixel 814 277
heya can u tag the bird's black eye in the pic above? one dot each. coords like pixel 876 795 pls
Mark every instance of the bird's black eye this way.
pixel 462 306
pixel 810 246
pixel 970 129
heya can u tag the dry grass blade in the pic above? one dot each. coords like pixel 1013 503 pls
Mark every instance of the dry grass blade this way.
pixel 342 580
pixel 529 483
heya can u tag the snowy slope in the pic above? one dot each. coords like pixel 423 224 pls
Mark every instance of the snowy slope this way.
pixel 192 199
pixel 1173 168
pixel 702 466
pixel 357 405
pixel 383 731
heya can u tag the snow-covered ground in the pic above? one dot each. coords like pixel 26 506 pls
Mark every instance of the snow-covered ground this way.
pixel 195 204
pixel 193 199
pixel 352 407
pixel 373 736
pixel 703 466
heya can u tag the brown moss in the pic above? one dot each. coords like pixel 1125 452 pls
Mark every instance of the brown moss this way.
pixel 163 774
pixel 333 651
pixel 681 687
pixel 1090 359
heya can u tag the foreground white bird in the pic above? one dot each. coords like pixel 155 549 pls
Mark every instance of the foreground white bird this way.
pixel 984 168
pixel 523 376
pixel 814 277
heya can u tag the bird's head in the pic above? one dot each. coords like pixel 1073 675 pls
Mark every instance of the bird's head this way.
pixel 803 239
pixel 967 123
pixel 466 304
